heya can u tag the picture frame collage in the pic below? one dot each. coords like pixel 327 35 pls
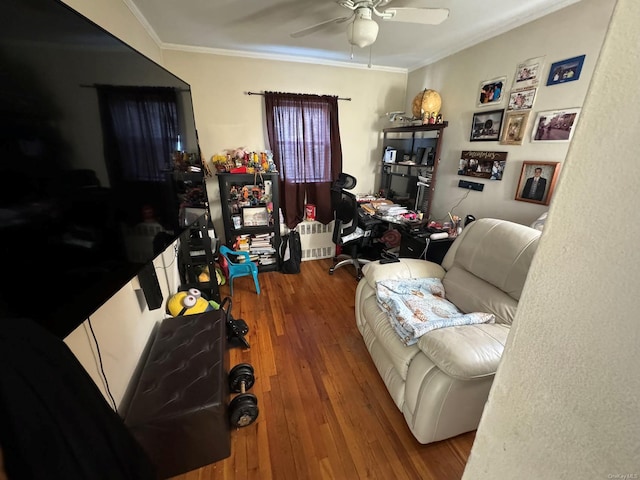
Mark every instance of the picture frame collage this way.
pixel 509 126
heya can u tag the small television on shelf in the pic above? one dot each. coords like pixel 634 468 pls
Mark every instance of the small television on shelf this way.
pixel 97 149
pixel 401 189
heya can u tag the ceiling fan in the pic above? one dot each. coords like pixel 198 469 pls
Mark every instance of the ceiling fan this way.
pixel 363 30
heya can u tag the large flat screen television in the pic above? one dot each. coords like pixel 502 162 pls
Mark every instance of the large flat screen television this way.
pixel 90 131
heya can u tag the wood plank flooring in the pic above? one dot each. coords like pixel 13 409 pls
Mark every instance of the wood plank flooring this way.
pixel 324 411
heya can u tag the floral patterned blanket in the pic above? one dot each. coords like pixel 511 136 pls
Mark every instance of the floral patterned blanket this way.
pixel 416 306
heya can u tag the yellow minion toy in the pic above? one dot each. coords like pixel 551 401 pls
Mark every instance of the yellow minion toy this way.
pixel 188 303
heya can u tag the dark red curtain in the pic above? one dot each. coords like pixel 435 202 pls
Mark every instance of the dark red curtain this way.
pixel 304 137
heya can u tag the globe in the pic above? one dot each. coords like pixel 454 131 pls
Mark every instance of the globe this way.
pixel 428 102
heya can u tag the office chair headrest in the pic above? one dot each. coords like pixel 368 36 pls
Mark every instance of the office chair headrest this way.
pixel 345 181
pixel 345 209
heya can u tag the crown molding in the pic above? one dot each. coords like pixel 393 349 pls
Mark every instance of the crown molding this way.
pixel 143 21
pixel 279 58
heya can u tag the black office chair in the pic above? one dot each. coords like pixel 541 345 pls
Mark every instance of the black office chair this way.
pixel 346 233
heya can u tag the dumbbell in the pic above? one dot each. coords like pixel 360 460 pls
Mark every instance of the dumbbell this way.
pixel 243 409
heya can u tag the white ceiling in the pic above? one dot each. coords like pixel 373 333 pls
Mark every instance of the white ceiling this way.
pixel 262 28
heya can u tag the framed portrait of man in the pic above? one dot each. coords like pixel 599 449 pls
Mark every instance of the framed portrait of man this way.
pixel 537 182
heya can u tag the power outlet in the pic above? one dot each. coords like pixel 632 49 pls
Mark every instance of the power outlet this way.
pixel 471 185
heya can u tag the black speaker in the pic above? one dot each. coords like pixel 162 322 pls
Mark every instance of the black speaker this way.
pixel 150 286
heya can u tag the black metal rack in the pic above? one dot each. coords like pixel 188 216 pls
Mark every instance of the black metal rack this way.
pixel 417 154
pixel 235 209
pixel 197 251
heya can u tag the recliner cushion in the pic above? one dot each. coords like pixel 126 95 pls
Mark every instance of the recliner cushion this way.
pixel 467 351
pixel 495 251
pixel 405 268
pixel 471 294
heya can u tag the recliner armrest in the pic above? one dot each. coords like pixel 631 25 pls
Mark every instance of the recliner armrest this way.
pixel 405 268
pixel 467 351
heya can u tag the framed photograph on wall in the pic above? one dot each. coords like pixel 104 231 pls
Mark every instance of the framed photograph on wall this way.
pixel 491 91
pixel 565 70
pixel 537 182
pixel 515 124
pixel 489 165
pixel 528 73
pixel 522 99
pixel 555 125
pixel 485 126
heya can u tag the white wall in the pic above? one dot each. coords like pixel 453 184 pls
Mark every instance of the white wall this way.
pixel 564 403
pixel 122 327
pixel 572 31
pixel 227 118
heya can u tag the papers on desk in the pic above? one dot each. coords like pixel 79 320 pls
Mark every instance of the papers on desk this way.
pixel 365 197
pixel 368 208
pixel 391 210
pixel 371 207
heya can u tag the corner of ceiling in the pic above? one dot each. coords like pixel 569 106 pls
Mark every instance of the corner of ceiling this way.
pixel 143 21
pixel 498 30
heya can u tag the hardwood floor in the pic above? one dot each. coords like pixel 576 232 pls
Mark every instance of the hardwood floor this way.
pixel 324 411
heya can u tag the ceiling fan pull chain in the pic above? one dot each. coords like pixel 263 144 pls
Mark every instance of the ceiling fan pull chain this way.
pixel 351 56
pixel 370 48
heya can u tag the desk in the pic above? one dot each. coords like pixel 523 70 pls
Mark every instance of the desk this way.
pixel 414 239
pixel 417 246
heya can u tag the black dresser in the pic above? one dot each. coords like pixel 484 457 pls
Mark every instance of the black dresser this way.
pixel 414 245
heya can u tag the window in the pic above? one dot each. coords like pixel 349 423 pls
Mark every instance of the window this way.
pixel 305 142
pixel 305 139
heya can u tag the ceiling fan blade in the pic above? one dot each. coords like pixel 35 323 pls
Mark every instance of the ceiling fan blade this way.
pixel 393 4
pixel 318 26
pixel 427 16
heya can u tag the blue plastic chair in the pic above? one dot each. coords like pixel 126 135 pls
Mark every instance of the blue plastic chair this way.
pixel 239 269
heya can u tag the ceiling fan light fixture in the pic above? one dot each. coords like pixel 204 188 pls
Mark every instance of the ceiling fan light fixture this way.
pixel 362 32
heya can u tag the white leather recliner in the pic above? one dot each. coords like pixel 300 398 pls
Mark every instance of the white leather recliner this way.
pixel 441 383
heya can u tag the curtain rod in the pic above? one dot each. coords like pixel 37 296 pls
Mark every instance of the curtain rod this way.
pixel 262 94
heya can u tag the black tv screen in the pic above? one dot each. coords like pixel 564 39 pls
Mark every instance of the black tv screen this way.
pixel 96 141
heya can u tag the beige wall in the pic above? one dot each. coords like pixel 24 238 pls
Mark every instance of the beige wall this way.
pixel 117 17
pixel 226 117
pixel 564 403
pixel 575 30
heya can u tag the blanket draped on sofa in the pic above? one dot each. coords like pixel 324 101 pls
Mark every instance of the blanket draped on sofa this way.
pixel 416 306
